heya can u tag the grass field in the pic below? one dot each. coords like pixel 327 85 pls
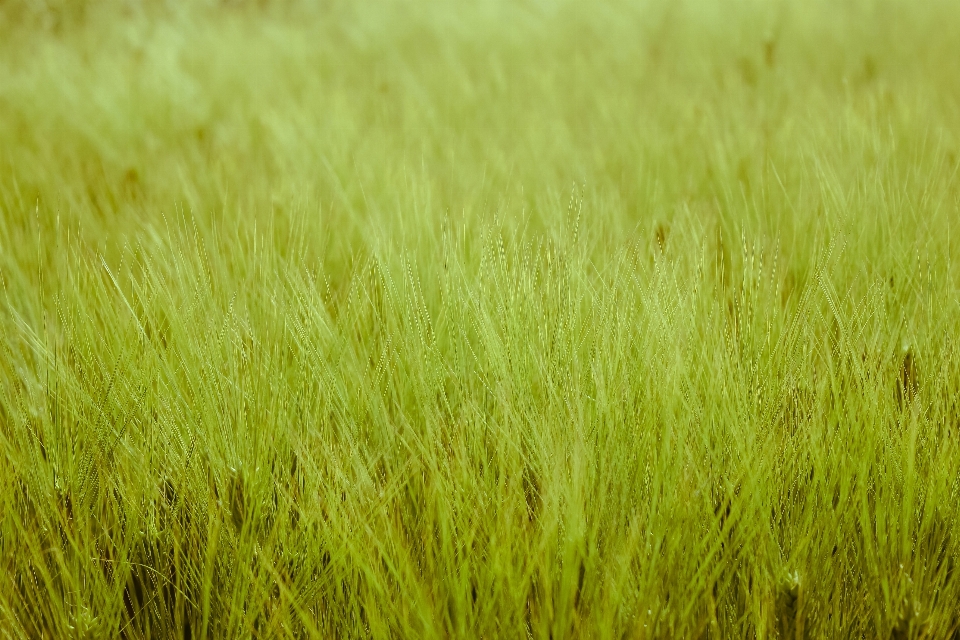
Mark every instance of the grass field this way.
pixel 498 319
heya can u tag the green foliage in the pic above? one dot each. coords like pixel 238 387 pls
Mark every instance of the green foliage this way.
pixel 486 319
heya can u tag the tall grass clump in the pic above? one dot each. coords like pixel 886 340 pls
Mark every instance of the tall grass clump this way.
pixel 486 319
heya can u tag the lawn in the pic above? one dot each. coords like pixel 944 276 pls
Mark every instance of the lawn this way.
pixel 479 319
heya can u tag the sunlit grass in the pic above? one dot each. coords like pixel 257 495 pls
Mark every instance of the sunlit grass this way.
pixel 489 319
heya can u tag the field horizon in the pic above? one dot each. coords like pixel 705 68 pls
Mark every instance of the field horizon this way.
pixel 492 319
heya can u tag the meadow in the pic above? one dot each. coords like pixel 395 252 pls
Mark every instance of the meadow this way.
pixel 486 319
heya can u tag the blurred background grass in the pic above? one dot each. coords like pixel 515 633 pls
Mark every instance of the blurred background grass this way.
pixel 489 319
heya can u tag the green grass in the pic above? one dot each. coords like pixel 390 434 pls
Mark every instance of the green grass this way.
pixel 479 319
